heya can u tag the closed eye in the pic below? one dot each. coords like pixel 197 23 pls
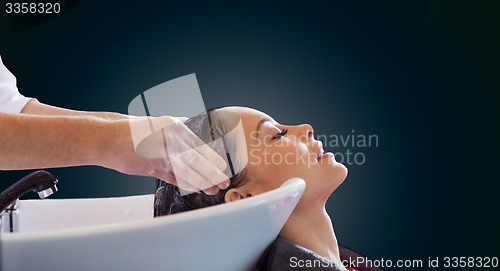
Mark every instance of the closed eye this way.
pixel 280 134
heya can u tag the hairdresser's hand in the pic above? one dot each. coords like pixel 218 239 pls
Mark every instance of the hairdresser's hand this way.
pixel 176 155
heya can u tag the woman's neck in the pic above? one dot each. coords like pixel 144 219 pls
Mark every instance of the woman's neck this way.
pixel 313 230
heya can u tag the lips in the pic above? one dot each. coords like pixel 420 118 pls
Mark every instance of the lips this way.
pixel 320 151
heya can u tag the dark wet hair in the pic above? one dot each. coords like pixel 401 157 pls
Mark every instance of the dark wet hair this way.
pixel 168 198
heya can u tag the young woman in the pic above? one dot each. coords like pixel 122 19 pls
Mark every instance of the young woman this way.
pixel 274 153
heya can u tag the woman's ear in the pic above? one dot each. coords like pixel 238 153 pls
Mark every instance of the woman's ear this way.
pixel 235 194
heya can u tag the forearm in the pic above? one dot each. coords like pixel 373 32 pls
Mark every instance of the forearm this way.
pixel 36 108
pixel 45 136
pixel 30 141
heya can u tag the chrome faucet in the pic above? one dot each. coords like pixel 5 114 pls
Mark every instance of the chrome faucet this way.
pixel 40 181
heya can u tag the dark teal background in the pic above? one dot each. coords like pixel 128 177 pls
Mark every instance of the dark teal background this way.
pixel 422 75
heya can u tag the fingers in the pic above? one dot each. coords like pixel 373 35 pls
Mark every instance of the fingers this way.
pixel 187 187
pixel 194 164
pixel 212 190
pixel 191 141
pixel 197 171
pixel 189 155
pixel 170 178
pixel 197 160
pixel 183 184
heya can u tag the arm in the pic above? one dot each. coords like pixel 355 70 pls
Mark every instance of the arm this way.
pixel 95 138
pixel 46 136
pixel 36 108
pixel 70 138
pixel 38 141
pixel 31 141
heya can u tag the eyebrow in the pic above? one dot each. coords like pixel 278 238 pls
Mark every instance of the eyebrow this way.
pixel 261 121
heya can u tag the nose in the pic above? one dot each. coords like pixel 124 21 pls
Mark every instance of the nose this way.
pixel 306 132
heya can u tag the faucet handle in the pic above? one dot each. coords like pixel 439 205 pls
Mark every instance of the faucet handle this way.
pixel 39 181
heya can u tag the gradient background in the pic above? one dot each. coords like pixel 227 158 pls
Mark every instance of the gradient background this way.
pixel 421 75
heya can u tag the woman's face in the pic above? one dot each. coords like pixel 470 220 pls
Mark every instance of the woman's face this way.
pixel 277 153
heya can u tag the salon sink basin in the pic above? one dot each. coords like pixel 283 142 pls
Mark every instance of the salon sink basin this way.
pixel 121 234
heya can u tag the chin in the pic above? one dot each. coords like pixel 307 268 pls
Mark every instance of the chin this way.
pixel 329 161
pixel 341 171
pixel 337 173
pixel 322 184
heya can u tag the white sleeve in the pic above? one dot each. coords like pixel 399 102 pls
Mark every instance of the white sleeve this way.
pixel 11 101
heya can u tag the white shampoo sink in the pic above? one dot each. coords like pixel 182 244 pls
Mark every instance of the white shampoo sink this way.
pixel 121 234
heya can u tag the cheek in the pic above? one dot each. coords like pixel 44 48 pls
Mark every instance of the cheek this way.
pixel 269 170
pixel 273 165
pixel 275 174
